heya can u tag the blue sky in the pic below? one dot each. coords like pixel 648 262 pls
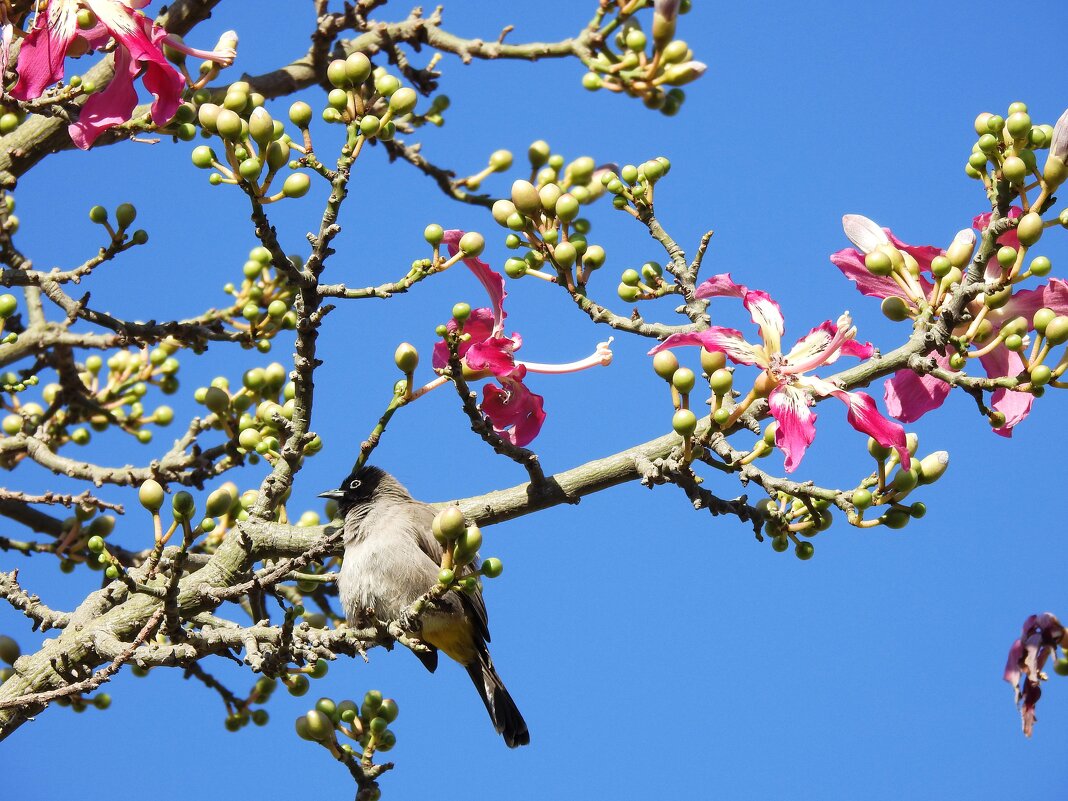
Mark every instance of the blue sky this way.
pixel 652 649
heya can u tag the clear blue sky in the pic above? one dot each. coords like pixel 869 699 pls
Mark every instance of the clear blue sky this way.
pixel 655 651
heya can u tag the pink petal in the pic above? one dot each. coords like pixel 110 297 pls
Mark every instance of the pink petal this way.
pixel 768 317
pixel 1053 295
pixel 110 107
pixel 492 280
pixel 44 48
pixel 1014 405
pixel 480 328
pixel 797 423
pixel 720 286
pixel 715 338
pixel 851 263
pixel 982 222
pixel 862 350
pixel 865 417
pixel 494 355
pixel 819 347
pixel 515 412
pixel 909 396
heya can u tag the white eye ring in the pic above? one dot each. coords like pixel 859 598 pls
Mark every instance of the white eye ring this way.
pixel 354 484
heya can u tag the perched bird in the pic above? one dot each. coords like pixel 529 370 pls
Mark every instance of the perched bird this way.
pixel 391 559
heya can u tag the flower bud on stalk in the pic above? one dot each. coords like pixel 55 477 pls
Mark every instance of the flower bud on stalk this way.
pixel 1056 170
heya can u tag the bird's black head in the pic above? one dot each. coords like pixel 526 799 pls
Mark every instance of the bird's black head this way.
pixel 359 487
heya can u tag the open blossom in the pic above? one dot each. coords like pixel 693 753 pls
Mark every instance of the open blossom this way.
pixel 1038 641
pixel 789 399
pixel 908 395
pixel 138 52
pixel 515 412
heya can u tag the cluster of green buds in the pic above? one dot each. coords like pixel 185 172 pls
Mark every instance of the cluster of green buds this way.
pixel 460 543
pixel 369 101
pixel 262 305
pixel 1042 367
pixel 79 703
pixel 125 214
pixel 543 216
pixel 117 397
pixel 257 413
pixel 1005 151
pixel 239 711
pixel 648 66
pixel 255 145
pixel 632 188
pixel 889 485
pixel 682 381
pixel 644 284
pixel 366 723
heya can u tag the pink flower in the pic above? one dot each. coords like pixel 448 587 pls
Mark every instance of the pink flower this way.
pixel 515 412
pixel 139 52
pixel 1009 238
pixel 1040 637
pixel 908 395
pixel 789 400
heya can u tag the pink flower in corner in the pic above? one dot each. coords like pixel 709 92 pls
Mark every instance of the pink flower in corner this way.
pixel 515 412
pixel 139 52
pixel 789 400
pixel 1039 640
pixel 908 395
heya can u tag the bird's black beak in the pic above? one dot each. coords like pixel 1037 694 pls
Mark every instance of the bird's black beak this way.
pixel 334 495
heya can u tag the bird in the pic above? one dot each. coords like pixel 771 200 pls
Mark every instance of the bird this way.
pixel 392 559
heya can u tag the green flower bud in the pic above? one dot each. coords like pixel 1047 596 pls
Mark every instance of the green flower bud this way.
pixel 95 544
pixel 515 268
pixel 446 577
pixel 631 277
pixel 433 234
pixel 526 198
pixel 492 567
pixel 203 157
pixel 151 495
pixel 125 214
pixel 98 214
pixel 804 551
pixel 878 263
pixel 472 244
pixel 1014 169
pixel 250 169
pixel 449 524
pixel 217 400
pixel 300 114
pixel 1043 317
pixel 895 518
pixel 567 208
pixel 895 308
pixel 1014 342
pixel 229 124
pixel 594 257
pixel 862 498
pixel 665 364
pixel 565 254
pixel 388 710
pixel 12 424
pixel 1041 375
pixel 628 293
pixel 1018 124
pixel 1056 330
pixel 502 210
pixel 538 153
pixel 1040 266
pixel 721 381
pixel 249 438
pixel 261 126
pixel 357 68
pixel 877 450
pixel 183 505
pixel 406 357
pixel 296 185
pixel 386 84
pixel 961 248
pixel 403 101
pixel 933 466
pixel 684 422
pixel 906 480
pixel 683 380
pixel 461 311
pixel 336 74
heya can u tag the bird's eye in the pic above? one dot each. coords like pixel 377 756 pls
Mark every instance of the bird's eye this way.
pixel 354 484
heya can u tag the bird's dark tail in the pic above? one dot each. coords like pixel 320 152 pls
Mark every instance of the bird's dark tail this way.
pixel 502 710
